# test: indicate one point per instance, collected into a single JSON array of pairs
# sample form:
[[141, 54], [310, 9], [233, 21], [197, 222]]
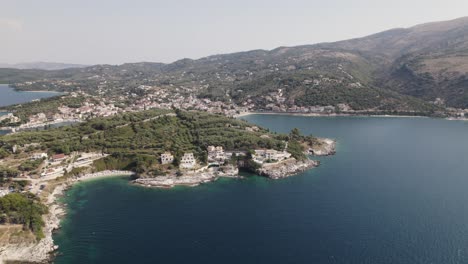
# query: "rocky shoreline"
[[327, 148], [188, 179], [41, 251], [38, 252], [286, 168]]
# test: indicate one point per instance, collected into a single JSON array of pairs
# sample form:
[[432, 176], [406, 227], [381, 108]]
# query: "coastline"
[[345, 115], [325, 115], [33, 91], [191, 179], [42, 251], [51, 92], [41, 125]]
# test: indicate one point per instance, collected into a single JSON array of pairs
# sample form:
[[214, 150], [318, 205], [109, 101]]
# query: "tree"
[[295, 134]]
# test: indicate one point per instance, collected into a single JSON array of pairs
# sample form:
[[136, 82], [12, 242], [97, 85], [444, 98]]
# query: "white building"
[[216, 153], [262, 155], [37, 156], [188, 161], [167, 158]]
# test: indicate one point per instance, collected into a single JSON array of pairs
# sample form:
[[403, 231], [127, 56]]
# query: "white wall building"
[[167, 158], [262, 155], [37, 156], [216, 153], [187, 161]]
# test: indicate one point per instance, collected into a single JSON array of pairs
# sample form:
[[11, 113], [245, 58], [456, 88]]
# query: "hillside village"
[[92, 106]]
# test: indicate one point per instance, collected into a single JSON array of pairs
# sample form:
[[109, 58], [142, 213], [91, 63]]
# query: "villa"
[[58, 157], [167, 158], [216, 153], [38, 156], [188, 161], [262, 155]]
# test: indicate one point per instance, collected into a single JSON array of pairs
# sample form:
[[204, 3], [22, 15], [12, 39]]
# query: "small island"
[[156, 148]]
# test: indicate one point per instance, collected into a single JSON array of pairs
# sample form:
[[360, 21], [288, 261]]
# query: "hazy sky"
[[117, 31]]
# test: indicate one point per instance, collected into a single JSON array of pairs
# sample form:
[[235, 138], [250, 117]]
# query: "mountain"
[[404, 70], [41, 66], [428, 61]]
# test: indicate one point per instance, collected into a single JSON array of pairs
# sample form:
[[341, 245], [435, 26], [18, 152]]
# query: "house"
[[58, 157], [235, 153], [187, 161], [262, 155], [216, 153], [167, 158], [37, 156]]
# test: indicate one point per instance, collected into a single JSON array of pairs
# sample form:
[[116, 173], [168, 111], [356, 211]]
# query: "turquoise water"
[[396, 192], [8, 96]]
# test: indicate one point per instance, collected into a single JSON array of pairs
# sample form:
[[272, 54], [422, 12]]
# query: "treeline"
[[136, 140], [24, 209]]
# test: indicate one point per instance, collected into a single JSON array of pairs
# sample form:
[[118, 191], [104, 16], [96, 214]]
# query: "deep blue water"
[[8, 96], [396, 192]]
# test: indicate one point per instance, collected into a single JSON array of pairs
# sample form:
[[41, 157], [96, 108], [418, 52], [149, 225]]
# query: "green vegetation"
[[30, 165], [136, 140], [296, 150], [8, 172], [297, 143], [24, 209], [4, 153], [248, 164], [75, 172]]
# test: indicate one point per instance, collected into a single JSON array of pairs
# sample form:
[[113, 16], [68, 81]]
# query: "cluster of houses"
[[163, 99], [188, 160], [10, 117], [53, 159], [217, 156]]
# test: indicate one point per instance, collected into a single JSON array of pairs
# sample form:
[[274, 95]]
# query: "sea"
[[9, 96], [395, 192]]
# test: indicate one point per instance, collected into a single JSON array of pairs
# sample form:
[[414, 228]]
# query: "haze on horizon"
[[118, 31]]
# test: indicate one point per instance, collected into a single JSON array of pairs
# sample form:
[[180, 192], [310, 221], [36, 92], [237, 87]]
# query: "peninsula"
[[156, 148]]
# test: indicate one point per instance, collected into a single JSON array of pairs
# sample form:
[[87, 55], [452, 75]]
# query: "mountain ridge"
[[397, 68]]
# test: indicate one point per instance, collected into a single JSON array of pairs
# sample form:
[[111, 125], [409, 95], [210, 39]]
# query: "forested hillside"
[[400, 69]]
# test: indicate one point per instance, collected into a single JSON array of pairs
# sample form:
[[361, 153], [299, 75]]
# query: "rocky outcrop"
[[286, 168], [189, 178], [326, 147]]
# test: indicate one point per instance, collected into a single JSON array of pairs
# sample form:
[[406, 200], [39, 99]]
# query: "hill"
[[402, 70], [427, 61]]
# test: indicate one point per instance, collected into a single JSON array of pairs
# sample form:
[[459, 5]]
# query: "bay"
[[396, 192], [8, 96]]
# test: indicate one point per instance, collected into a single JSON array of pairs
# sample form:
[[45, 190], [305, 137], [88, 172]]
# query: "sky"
[[118, 31]]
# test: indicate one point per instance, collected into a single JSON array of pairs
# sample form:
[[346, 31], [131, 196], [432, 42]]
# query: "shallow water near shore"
[[396, 192]]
